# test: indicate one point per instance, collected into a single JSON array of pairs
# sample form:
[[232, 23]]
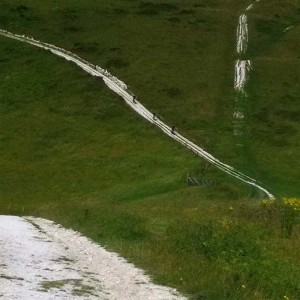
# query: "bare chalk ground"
[[42, 260]]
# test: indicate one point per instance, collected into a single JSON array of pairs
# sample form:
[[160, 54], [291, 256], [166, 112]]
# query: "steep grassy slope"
[[179, 59], [72, 151]]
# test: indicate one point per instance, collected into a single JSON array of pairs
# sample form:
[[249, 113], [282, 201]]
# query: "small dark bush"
[[21, 10]]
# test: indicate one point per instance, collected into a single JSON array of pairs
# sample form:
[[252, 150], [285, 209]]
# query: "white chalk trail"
[[121, 89], [238, 122], [42, 260], [242, 34], [241, 71], [251, 6], [242, 67], [288, 28]]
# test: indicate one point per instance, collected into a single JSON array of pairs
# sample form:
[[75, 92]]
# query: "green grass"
[[73, 152], [79, 289], [273, 120], [183, 66]]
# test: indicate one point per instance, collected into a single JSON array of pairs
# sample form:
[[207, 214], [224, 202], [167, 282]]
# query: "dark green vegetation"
[[80, 289], [73, 152]]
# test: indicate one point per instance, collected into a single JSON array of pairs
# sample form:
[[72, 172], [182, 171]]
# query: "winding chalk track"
[[42, 260]]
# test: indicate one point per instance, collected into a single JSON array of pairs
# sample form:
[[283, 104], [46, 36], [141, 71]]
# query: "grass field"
[[73, 152]]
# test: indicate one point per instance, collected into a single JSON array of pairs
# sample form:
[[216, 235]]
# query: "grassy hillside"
[[72, 151], [275, 92], [179, 59]]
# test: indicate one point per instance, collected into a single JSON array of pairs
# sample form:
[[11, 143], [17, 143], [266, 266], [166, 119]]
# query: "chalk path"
[[43, 260], [242, 69]]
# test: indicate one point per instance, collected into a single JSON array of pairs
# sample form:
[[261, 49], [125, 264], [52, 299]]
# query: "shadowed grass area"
[[73, 152]]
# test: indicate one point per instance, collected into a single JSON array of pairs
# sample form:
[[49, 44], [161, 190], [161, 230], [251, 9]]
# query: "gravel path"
[[43, 260]]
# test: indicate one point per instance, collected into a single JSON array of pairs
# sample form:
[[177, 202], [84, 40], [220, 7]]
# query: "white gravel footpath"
[[42, 260]]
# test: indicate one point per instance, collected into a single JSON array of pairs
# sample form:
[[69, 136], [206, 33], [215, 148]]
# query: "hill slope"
[[73, 152]]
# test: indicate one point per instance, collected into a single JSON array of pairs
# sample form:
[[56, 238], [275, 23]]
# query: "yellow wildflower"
[[293, 203]]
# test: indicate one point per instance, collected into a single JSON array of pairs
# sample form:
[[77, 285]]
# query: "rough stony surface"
[[42, 260]]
